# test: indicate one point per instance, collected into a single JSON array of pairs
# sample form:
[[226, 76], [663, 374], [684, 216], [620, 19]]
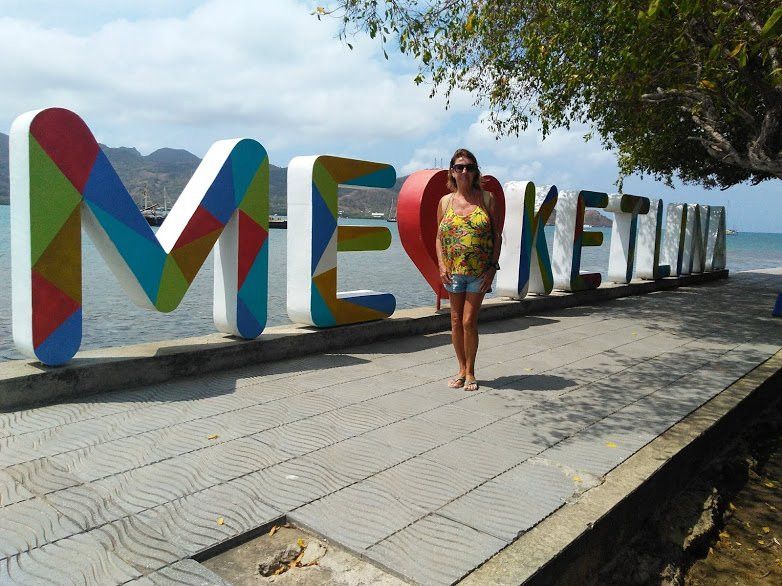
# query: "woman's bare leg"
[[470, 309], [457, 329]]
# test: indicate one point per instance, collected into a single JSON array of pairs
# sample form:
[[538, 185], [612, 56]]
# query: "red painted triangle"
[[252, 236], [201, 224], [51, 307], [68, 142]]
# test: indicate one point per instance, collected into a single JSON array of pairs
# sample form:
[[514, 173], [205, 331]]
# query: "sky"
[[186, 73]]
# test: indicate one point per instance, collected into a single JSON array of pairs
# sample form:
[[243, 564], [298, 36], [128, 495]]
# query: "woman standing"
[[468, 246]]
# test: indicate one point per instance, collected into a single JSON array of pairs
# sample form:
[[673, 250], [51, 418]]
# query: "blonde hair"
[[476, 178]]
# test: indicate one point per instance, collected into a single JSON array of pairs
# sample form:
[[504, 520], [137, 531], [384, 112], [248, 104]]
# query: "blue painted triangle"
[[144, 258], [105, 189], [321, 315], [255, 290], [246, 322], [383, 177], [219, 198], [324, 224], [246, 158], [63, 343], [381, 302]]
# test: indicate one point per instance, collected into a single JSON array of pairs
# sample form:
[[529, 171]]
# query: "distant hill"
[[167, 171]]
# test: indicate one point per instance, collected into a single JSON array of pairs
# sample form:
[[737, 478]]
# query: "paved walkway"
[[368, 447]]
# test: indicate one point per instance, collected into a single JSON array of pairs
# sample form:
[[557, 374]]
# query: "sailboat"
[[391, 211]]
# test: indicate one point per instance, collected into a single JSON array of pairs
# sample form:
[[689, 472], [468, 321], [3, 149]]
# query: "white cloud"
[[227, 68]]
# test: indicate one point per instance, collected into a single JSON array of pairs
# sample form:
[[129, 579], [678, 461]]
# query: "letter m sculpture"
[[62, 181]]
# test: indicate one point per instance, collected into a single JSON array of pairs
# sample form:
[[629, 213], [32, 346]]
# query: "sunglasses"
[[460, 168]]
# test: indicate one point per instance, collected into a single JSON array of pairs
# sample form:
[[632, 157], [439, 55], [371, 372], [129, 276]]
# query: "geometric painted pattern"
[[624, 233], [61, 182], [314, 238], [570, 238], [524, 241]]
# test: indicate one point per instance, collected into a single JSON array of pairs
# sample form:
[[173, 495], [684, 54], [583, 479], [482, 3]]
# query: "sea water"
[[111, 319]]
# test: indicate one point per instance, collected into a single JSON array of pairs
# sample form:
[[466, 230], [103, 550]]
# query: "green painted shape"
[[377, 240], [327, 187], [255, 202], [52, 200], [173, 286]]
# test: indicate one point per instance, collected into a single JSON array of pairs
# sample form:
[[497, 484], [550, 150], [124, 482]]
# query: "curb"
[[26, 383]]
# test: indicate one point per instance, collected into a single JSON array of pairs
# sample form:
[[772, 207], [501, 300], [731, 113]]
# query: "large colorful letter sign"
[[714, 233], [623, 234], [649, 238], [58, 171], [416, 216], [524, 241], [570, 237], [314, 239], [675, 232]]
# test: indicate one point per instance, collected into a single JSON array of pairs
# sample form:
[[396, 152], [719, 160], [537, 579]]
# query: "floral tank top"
[[467, 241]]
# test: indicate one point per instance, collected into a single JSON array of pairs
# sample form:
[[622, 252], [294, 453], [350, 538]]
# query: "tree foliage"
[[687, 88]]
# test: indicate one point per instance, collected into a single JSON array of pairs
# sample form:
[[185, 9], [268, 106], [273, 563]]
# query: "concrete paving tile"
[[413, 436], [305, 435], [80, 559], [375, 386], [225, 461], [357, 516], [457, 418], [30, 524], [87, 505], [489, 402], [183, 573], [359, 418], [42, 476], [358, 457], [514, 501], [314, 403], [203, 520], [11, 491], [138, 544], [519, 436], [435, 550], [477, 459], [423, 482], [107, 459], [600, 448], [403, 404], [294, 483]]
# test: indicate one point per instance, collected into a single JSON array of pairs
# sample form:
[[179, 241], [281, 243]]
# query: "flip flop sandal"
[[456, 383], [471, 385]]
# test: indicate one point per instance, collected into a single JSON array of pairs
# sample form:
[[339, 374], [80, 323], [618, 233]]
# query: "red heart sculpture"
[[416, 216]]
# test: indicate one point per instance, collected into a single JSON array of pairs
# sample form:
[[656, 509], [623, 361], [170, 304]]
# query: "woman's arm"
[[488, 276], [445, 275]]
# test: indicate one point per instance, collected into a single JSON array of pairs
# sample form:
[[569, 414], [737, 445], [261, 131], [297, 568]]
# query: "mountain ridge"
[[163, 174]]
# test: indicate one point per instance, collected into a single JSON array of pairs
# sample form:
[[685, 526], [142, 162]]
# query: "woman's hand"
[[445, 276], [488, 277]]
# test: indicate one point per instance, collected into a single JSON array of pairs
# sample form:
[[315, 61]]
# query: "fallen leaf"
[[302, 543], [214, 436], [220, 521], [724, 535], [732, 506], [766, 530], [768, 484], [274, 530], [761, 542], [611, 445], [529, 369], [577, 479]]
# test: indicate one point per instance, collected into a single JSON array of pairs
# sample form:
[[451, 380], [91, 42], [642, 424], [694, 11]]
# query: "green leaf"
[[772, 23]]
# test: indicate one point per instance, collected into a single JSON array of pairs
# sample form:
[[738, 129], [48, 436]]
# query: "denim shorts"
[[465, 284]]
